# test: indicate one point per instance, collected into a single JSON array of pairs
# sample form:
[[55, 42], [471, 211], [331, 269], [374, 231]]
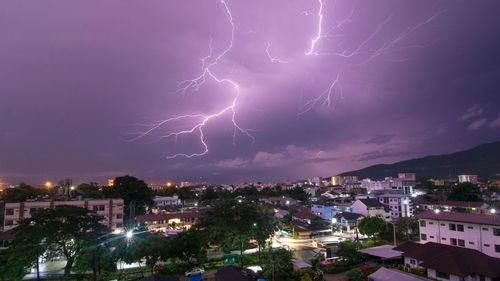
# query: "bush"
[[175, 268], [355, 275]]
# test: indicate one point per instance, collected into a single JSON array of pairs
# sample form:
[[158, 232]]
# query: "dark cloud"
[[78, 80], [380, 139]]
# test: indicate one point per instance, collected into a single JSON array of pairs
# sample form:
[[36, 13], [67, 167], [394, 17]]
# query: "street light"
[[129, 234], [437, 211], [493, 211]]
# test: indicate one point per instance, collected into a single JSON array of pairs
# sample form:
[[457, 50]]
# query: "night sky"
[[85, 85]]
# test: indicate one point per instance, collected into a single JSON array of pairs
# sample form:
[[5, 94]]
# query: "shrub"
[[355, 274]]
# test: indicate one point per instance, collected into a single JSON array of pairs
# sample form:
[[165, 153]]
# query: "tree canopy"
[[371, 226], [465, 192]]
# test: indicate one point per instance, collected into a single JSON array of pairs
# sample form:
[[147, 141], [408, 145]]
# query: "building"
[[444, 262], [468, 178], [386, 274], [166, 222], [323, 209], [349, 179], [448, 206], [337, 180], [110, 209], [371, 208], [409, 176], [162, 202], [372, 185], [399, 204], [347, 222], [473, 231], [405, 185]]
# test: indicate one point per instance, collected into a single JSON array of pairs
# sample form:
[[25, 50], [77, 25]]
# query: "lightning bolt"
[[194, 85], [319, 32], [271, 58], [324, 98]]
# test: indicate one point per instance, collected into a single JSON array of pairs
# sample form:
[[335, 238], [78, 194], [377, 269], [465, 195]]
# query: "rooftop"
[[461, 217], [159, 217], [371, 202], [450, 259], [386, 274]]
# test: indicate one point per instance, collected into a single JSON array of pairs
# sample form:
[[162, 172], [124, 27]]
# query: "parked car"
[[195, 271]]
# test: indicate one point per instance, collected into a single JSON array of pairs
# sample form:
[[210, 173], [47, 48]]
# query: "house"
[[323, 208], [110, 209], [347, 222], [386, 274], [304, 216], [444, 262], [171, 221], [473, 231], [371, 208]]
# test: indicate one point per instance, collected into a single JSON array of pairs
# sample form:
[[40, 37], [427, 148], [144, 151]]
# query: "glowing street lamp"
[[437, 211], [129, 234], [493, 211], [48, 184]]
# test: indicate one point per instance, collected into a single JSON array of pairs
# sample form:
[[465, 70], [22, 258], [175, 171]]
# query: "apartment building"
[[110, 209], [166, 201], [473, 231], [399, 204]]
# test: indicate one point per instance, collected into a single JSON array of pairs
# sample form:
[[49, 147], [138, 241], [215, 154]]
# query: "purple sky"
[[79, 82]]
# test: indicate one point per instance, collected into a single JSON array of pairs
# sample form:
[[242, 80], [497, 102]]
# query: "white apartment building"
[[474, 231], [110, 209], [467, 178], [372, 185], [399, 204]]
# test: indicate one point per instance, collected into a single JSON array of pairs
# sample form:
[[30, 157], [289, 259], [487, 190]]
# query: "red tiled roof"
[[160, 217], [461, 217], [305, 215], [450, 259]]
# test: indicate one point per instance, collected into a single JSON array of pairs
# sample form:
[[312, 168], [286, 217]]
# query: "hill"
[[483, 160]]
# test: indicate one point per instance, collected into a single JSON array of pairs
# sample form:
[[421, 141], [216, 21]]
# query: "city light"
[[437, 211], [169, 184], [493, 211], [48, 184], [129, 234], [334, 220]]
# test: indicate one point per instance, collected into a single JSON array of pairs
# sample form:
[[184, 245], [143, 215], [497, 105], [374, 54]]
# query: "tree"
[[298, 193], [348, 250], [23, 251], [189, 246], [152, 247], [88, 190], [68, 230], [135, 194], [264, 227], [465, 192], [230, 224], [371, 226], [96, 258], [283, 269], [21, 193]]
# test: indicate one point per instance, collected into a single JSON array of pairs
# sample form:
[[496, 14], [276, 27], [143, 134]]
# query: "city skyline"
[[322, 87]]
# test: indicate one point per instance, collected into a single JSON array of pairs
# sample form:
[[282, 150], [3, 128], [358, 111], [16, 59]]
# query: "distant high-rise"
[[467, 178]]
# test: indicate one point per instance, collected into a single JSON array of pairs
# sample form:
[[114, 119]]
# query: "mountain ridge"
[[482, 160]]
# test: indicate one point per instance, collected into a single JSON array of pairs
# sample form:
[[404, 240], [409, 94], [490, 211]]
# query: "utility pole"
[[394, 230]]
